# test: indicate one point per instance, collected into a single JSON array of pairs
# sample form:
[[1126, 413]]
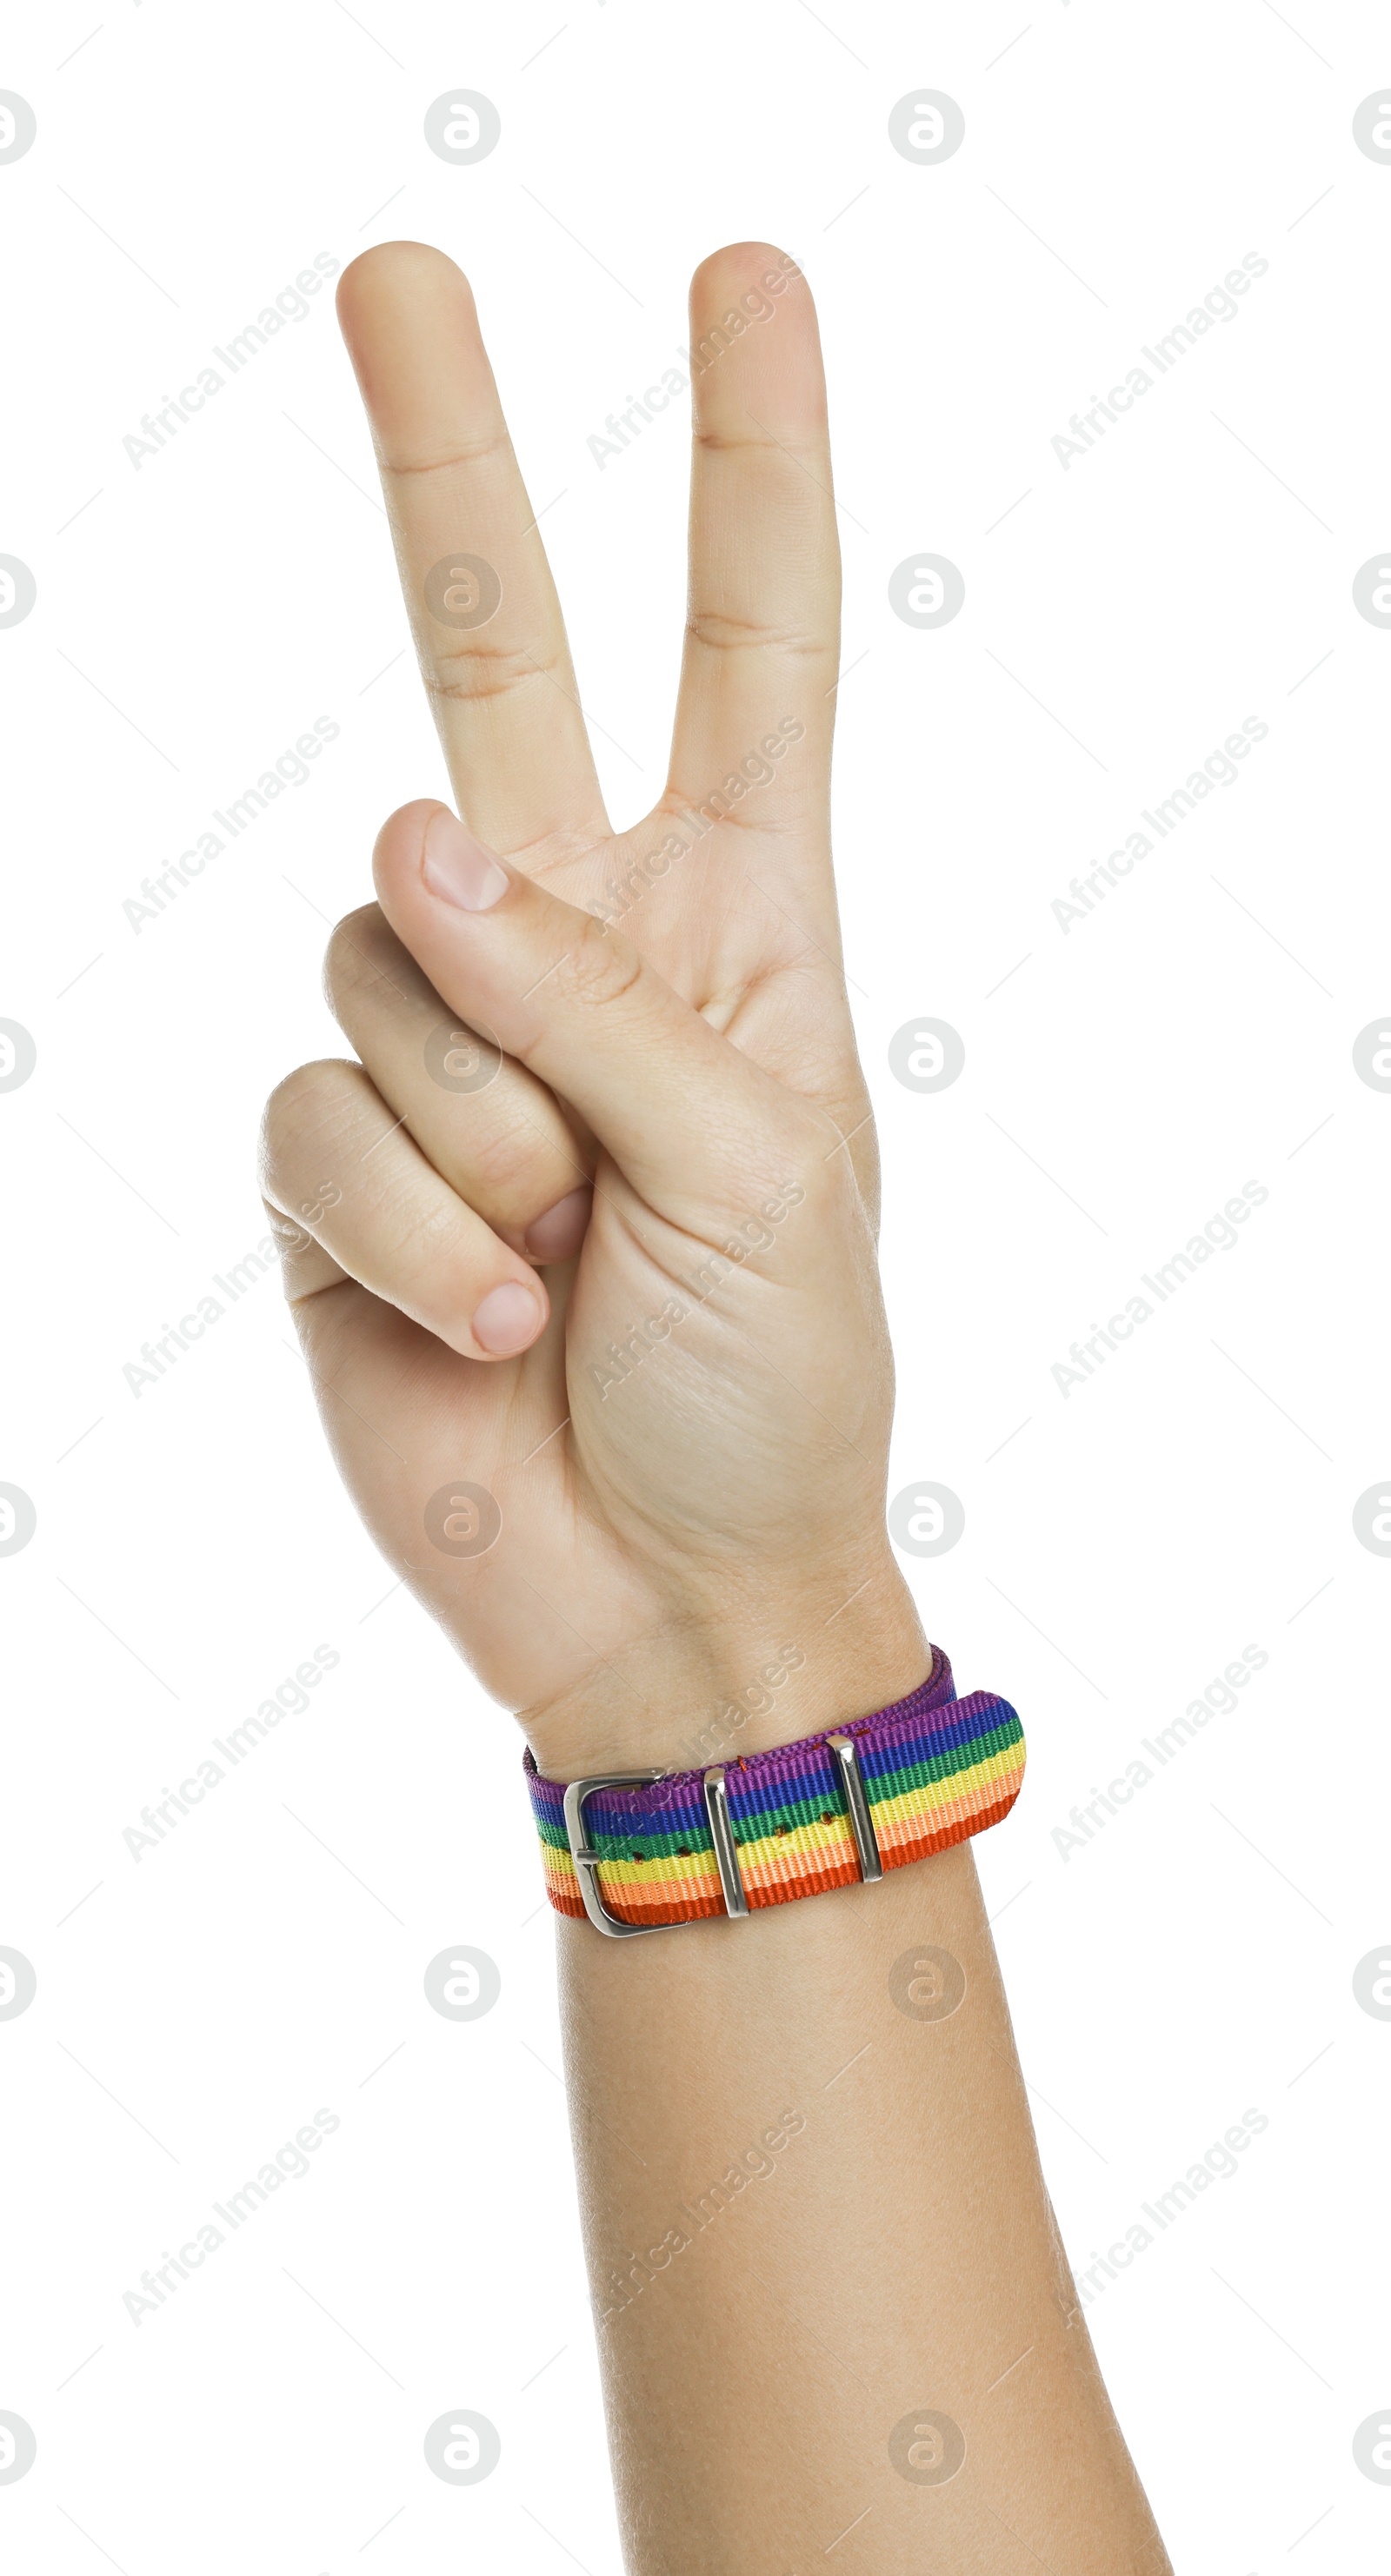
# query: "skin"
[[627, 1288]]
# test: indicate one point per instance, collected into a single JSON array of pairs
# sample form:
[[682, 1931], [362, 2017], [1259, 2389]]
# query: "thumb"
[[693, 1123]]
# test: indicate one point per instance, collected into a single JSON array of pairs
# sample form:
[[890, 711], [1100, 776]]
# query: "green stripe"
[[619, 1846], [941, 1766]]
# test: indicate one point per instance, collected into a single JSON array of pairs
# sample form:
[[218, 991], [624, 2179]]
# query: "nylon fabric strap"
[[935, 1768]]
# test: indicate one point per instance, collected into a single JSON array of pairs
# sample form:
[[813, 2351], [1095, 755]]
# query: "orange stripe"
[[820, 1882], [894, 1832]]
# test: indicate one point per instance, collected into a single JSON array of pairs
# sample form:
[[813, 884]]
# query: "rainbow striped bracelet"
[[643, 1851]]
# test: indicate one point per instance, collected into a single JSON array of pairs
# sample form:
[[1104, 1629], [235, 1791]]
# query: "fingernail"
[[560, 1231], [458, 869], [508, 1319]]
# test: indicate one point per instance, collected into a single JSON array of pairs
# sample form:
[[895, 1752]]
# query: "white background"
[[1123, 1543]]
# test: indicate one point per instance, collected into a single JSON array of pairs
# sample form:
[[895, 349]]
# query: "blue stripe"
[[876, 1761]]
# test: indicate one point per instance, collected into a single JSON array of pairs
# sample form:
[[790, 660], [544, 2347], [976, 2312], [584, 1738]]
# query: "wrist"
[[701, 1687]]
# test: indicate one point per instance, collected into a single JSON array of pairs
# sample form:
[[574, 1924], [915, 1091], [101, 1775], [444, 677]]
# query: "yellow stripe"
[[823, 1846], [698, 1876], [913, 1804]]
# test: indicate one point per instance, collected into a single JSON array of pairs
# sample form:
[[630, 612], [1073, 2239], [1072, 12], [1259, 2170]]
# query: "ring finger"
[[334, 1155], [487, 1125]]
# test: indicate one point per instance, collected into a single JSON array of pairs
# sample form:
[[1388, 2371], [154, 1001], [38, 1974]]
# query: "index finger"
[[483, 608]]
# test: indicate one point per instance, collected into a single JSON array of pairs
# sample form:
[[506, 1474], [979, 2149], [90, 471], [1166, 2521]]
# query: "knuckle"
[[292, 1240], [437, 1228], [729, 442], [599, 967], [725, 631], [510, 1158], [798, 1165], [307, 1110], [357, 950], [484, 450], [470, 673], [424, 1236]]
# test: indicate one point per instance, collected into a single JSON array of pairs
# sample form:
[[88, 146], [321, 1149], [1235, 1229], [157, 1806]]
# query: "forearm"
[[815, 2220]]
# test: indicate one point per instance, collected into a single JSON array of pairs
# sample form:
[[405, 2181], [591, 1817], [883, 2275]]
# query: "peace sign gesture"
[[581, 1245]]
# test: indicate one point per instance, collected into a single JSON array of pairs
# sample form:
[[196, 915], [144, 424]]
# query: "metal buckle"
[[587, 1861]]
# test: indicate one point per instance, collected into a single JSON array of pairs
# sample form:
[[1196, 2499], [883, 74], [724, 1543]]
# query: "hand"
[[585, 1238]]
